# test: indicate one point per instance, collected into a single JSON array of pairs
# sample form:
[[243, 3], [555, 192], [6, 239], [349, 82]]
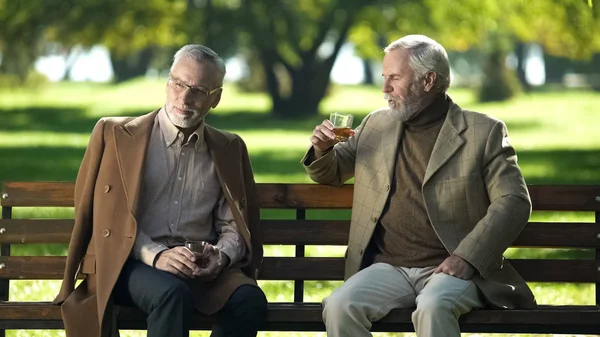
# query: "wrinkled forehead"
[[196, 73], [397, 62]]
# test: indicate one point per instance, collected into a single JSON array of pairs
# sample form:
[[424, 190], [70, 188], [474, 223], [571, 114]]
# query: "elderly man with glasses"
[[147, 186]]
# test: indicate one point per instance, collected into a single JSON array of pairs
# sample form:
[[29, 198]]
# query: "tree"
[[564, 28], [300, 39], [131, 30], [22, 25]]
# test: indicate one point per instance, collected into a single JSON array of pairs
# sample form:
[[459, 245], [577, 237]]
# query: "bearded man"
[[438, 197]]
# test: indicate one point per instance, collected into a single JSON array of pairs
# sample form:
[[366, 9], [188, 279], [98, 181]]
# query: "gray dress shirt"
[[180, 196]]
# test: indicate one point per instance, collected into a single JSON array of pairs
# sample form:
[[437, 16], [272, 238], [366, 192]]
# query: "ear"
[[429, 81], [217, 99]]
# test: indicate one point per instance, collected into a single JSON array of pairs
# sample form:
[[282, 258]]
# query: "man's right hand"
[[178, 261], [323, 137]]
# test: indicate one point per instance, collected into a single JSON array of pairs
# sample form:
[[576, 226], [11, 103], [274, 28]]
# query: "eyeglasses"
[[197, 92]]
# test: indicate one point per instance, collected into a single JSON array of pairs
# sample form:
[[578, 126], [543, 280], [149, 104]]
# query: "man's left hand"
[[217, 261], [456, 266]]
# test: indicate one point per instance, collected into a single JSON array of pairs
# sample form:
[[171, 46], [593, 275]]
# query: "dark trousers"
[[167, 300]]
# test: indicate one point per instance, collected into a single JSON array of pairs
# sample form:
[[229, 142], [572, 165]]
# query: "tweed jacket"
[[475, 196]]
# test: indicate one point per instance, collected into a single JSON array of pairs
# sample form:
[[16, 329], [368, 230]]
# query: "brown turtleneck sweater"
[[404, 236]]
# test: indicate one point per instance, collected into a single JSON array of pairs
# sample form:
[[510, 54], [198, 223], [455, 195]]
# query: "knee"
[[176, 293], [433, 306], [249, 301], [339, 305]]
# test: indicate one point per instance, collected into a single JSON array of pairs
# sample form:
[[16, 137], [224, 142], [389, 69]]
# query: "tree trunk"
[[521, 53], [368, 79], [131, 66], [16, 62], [208, 30], [309, 86]]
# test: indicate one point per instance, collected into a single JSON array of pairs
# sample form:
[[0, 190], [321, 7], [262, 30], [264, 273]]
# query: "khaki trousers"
[[373, 292]]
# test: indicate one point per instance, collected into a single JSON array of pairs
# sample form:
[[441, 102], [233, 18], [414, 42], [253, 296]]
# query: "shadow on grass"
[[62, 163], [560, 166], [539, 167], [52, 118], [265, 121], [40, 163]]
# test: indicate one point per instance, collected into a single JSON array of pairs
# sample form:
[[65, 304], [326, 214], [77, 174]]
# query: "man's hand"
[[456, 266], [178, 261], [323, 137], [217, 261]]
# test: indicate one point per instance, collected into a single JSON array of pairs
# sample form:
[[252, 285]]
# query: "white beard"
[[186, 122], [404, 110]]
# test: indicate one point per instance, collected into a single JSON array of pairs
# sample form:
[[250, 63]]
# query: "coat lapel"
[[448, 141], [131, 142]]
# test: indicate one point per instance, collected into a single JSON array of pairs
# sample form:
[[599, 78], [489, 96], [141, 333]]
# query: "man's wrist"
[[223, 260], [156, 258]]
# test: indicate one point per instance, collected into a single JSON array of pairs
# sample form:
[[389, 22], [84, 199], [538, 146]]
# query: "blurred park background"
[[65, 63]]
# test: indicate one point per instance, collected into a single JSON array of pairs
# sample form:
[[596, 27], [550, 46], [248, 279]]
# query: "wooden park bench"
[[303, 200]]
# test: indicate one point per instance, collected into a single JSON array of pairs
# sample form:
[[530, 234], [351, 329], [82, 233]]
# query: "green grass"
[[43, 136]]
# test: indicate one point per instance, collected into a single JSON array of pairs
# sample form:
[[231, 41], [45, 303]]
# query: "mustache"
[[388, 97], [185, 108]]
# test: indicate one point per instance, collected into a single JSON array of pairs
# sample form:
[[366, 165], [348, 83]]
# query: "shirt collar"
[[172, 134]]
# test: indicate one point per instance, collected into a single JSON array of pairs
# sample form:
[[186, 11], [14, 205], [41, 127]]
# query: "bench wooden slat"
[[544, 197], [307, 317], [312, 268], [312, 232], [304, 196], [39, 194], [36, 230], [306, 232], [565, 197], [559, 234]]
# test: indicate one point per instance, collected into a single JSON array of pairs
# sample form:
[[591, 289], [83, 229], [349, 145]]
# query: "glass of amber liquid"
[[198, 248], [342, 125]]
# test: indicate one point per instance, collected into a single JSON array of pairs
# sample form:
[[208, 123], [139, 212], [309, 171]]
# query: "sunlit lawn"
[[43, 135]]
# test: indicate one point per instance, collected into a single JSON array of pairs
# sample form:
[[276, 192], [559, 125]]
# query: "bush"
[[499, 82], [34, 80]]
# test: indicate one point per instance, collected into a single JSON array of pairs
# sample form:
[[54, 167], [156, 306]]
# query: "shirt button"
[[178, 178], [176, 202], [106, 233], [183, 153], [172, 225]]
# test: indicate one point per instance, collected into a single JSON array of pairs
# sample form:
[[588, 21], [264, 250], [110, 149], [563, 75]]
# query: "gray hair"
[[426, 55], [200, 53]]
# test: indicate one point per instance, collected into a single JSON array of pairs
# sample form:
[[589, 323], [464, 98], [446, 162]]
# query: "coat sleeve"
[[84, 204], [509, 210], [253, 212], [337, 165]]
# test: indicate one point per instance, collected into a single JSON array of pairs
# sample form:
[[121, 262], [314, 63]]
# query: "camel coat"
[[106, 199], [474, 193]]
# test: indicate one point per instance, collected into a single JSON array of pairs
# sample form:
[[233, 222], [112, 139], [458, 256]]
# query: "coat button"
[[106, 188], [362, 251], [106, 233], [387, 188], [374, 219]]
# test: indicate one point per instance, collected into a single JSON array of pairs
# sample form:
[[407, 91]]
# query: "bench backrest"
[[308, 224]]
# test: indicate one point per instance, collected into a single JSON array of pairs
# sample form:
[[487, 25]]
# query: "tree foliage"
[[293, 43]]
